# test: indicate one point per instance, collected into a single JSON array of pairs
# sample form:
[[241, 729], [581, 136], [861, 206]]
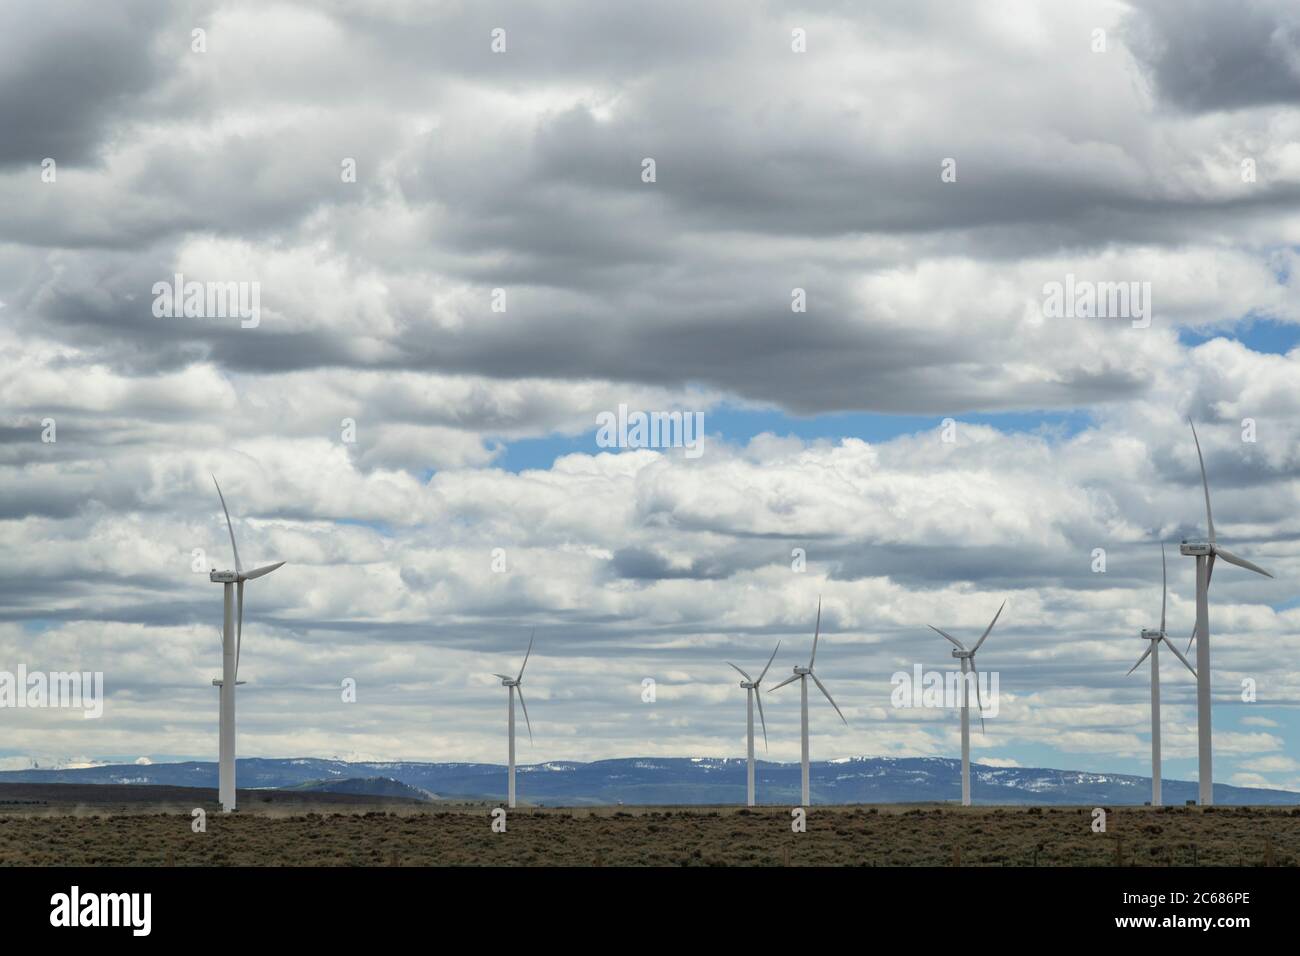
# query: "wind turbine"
[[752, 692], [802, 674], [967, 658], [231, 639], [1153, 651], [1205, 551], [515, 684]]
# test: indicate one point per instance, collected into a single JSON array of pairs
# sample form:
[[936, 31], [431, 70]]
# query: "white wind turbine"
[[1153, 651], [752, 692], [231, 639], [516, 684], [801, 674], [967, 658], [1205, 551]]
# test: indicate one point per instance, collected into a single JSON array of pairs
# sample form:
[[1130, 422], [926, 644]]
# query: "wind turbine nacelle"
[[223, 577], [959, 654], [803, 671], [1150, 635], [1196, 548]]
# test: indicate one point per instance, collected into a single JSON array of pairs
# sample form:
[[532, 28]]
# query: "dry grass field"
[[276, 829]]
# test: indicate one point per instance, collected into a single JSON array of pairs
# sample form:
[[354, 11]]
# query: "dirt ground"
[[290, 831]]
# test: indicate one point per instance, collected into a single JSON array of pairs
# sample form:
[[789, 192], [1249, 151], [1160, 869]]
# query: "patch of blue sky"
[[1257, 333], [738, 425]]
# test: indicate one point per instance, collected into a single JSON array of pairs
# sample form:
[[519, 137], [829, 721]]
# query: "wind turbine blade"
[[829, 697], [759, 698], [960, 646], [528, 723], [263, 570], [1191, 640], [1146, 654], [239, 628], [530, 650], [739, 671], [229, 527], [974, 671], [793, 677], [988, 629], [1164, 587], [769, 664], [1179, 656], [1209, 518], [816, 632], [1240, 562]]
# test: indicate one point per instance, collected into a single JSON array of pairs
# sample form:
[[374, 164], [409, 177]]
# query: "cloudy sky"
[[501, 272]]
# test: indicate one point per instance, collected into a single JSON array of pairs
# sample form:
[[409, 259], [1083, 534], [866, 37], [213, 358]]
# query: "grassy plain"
[[59, 825]]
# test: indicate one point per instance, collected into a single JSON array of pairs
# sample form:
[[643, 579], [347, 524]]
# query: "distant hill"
[[680, 780], [366, 786], [17, 795]]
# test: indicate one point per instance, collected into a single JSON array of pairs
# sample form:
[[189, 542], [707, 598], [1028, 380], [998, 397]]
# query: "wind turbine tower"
[[1153, 651], [752, 693], [231, 638], [1205, 550], [967, 658], [801, 674], [516, 686]]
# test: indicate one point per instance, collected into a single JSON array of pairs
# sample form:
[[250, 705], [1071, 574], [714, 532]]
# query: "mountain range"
[[671, 780]]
